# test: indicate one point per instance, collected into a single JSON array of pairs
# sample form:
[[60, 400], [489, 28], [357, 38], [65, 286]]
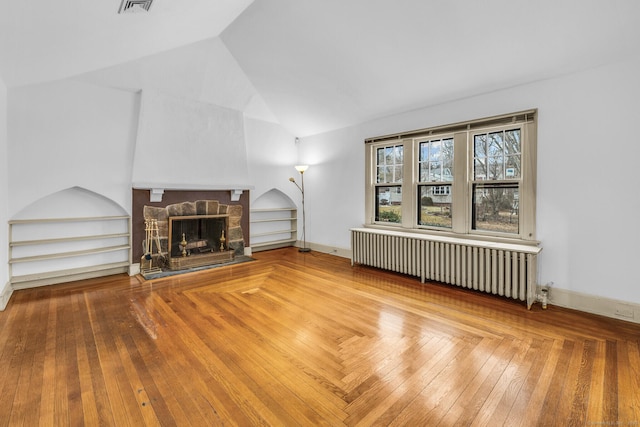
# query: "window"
[[472, 178], [496, 179], [442, 190], [388, 188], [435, 166]]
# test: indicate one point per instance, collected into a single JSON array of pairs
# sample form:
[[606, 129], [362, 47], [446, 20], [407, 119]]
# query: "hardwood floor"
[[305, 339]]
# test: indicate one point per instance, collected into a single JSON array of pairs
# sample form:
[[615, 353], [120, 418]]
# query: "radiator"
[[501, 269]]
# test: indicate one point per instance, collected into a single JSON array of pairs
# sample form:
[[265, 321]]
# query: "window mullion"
[[460, 189], [409, 186]]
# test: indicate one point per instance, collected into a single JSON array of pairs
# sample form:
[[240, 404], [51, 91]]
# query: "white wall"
[[4, 195], [588, 197], [271, 156], [334, 185], [67, 134], [183, 143]]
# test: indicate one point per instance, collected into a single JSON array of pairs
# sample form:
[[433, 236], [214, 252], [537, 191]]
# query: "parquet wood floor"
[[296, 339]]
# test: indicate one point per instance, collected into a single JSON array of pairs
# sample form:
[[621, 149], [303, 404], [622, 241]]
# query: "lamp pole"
[[301, 169]]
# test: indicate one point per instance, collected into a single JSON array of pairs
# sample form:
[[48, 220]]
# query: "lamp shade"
[[301, 168]]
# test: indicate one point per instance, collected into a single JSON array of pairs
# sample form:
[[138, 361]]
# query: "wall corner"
[[5, 295]]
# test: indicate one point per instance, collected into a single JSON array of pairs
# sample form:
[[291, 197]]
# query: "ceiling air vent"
[[133, 6]]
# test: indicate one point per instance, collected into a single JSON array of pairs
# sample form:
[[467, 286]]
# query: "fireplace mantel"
[[156, 190]]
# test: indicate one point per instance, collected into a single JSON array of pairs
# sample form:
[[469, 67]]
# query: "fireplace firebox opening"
[[198, 240]]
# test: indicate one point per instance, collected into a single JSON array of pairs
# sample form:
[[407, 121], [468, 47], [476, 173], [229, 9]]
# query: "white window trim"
[[461, 197]]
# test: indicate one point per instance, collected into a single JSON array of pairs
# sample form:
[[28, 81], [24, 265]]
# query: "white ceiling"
[[44, 40], [314, 65], [204, 71]]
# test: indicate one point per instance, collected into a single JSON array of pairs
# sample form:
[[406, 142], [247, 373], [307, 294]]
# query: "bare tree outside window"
[[496, 173]]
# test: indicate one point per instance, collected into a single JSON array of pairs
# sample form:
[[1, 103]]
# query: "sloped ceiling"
[[326, 64], [314, 65], [204, 71], [44, 40]]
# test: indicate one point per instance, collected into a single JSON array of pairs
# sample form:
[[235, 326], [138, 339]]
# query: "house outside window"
[[474, 179]]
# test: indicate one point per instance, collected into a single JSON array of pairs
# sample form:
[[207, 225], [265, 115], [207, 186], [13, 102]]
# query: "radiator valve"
[[543, 297]]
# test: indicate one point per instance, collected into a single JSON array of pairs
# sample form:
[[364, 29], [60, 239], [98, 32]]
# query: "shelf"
[[67, 239], [273, 233], [271, 225], [68, 254], [80, 219], [273, 210], [288, 242], [256, 221], [34, 272]]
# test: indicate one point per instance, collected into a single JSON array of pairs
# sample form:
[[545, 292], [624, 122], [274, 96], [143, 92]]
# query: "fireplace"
[[198, 240], [218, 220]]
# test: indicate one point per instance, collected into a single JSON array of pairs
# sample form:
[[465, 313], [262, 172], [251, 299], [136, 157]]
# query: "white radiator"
[[501, 269]]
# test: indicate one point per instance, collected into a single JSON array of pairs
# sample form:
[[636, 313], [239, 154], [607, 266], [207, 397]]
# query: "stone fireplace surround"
[[188, 203]]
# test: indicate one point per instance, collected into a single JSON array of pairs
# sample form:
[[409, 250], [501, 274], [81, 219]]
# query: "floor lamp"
[[301, 169]]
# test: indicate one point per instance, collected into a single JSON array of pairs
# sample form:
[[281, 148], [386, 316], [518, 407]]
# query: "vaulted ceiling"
[[314, 65]]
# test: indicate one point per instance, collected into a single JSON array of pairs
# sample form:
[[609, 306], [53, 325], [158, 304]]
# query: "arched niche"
[[274, 220], [73, 202], [72, 234], [273, 199]]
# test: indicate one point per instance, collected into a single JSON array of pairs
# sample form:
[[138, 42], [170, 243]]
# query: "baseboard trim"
[[134, 269], [331, 250], [47, 281], [615, 309], [5, 295]]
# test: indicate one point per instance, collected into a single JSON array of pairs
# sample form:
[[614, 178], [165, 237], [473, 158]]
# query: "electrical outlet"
[[624, 311]]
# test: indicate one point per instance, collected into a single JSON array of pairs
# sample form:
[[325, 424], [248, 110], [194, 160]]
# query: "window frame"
[[462, 185], [419, 183], [391, 184]]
